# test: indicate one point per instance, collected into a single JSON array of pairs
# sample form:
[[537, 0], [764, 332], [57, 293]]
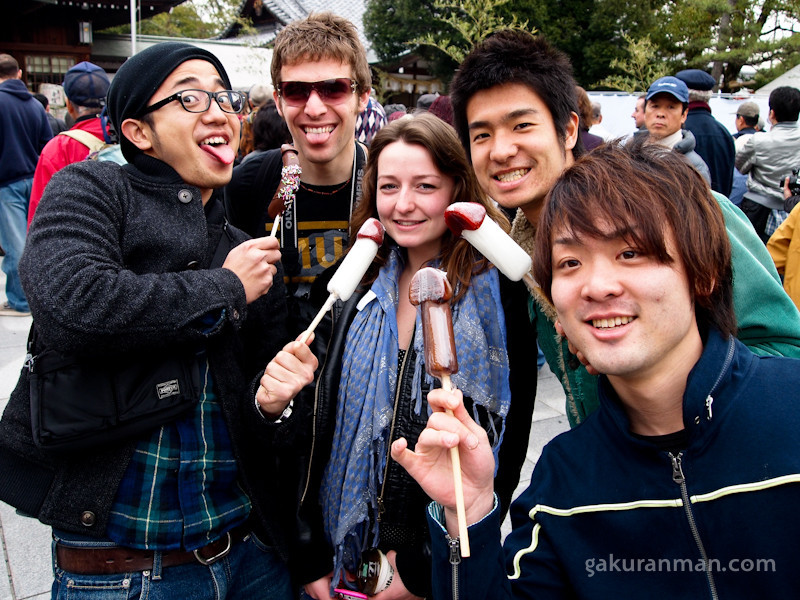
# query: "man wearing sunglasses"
[[136, 265], [322, 82]]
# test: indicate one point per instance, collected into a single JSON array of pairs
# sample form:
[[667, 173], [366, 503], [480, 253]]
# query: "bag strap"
[[223, 246], [87, 139]]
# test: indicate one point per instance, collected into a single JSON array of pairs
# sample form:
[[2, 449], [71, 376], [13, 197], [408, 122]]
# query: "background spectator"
[[24, 130], [56, 125]]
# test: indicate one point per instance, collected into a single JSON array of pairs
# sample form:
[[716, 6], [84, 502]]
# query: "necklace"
[[321, 193]]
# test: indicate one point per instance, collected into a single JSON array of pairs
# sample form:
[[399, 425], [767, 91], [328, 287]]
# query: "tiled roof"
[[286, 11]]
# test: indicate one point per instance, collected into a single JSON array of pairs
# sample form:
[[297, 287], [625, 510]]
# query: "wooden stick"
[[459, 485], [325, 308], [275, 226]]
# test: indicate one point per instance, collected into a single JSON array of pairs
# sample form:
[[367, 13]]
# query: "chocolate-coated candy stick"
[[430, 290]]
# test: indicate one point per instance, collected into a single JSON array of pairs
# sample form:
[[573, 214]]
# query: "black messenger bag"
[[84, 402]]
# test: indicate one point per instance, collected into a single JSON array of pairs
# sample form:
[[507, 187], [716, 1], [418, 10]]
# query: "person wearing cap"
[[767, 157], [135, 262], [746, 119], [665, 107], [85, 86], [713, 141], [746, 123], [24, 130]]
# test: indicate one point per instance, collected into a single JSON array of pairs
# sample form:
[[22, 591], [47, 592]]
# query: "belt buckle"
[[213, 559]]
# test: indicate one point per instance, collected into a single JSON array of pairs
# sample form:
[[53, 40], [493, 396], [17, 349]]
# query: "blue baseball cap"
[[86, 84], [669, 85]]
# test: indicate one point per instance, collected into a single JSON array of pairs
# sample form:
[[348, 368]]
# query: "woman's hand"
[[321, 588]]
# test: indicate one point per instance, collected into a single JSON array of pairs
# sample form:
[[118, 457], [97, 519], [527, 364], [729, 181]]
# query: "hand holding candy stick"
[[431, 291]]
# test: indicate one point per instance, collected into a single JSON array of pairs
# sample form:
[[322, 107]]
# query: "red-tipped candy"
[[373, 230], [464, 215]]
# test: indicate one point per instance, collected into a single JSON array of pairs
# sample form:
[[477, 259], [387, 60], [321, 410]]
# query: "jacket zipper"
[[678, 477], [314, 419], [399, 387], [723, 370], [455, 559]]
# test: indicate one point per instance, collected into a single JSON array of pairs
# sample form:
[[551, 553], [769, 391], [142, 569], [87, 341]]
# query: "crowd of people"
[[295, 466]]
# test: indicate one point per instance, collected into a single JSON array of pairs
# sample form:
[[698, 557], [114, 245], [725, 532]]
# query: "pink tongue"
[[222, 153]]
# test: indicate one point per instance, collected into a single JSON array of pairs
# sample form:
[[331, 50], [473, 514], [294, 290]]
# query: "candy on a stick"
[[287, 188], [468, 219], [430, 290], [352, 270]]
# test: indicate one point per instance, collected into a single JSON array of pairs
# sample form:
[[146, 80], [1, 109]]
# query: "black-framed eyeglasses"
[[330, 91], [197, 101]]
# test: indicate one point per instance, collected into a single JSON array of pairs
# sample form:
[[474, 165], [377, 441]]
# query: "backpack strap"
[[87, 139]]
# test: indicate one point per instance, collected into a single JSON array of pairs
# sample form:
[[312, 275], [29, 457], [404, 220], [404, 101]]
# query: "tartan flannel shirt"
[[180, 489]]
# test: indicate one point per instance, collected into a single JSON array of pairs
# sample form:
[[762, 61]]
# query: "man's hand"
[[584, 361], [253, 262], [430, 463], [286, 374]]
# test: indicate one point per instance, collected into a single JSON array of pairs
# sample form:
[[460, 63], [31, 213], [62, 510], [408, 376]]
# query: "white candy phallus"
[[349, 274], [468, 220]]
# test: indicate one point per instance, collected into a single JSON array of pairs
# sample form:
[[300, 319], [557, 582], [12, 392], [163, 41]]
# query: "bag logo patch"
[[168, 388]]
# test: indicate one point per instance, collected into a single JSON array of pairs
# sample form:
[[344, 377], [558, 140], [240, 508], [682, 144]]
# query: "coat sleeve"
[[79, 271], [767, 320], [524, 566], [778, 245]]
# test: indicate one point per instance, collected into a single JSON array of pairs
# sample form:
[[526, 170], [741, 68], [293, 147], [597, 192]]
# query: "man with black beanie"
[[135, 267]]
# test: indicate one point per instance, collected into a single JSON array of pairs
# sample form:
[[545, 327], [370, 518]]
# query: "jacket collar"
[[708, 379], [699, 105], [156, 170]]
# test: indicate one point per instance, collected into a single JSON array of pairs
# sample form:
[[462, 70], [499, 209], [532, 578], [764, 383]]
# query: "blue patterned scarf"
[[354, 473]]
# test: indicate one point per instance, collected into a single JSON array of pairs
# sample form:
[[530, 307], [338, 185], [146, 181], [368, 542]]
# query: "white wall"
[[617, 110]]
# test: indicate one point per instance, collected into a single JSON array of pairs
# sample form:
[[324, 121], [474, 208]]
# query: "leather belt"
[[110, 561]]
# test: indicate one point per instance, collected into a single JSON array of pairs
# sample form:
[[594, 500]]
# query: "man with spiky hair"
[[515, 111]]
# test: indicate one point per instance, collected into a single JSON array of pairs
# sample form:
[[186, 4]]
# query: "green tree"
[[441, 31], [726, 35], [462, 24], [193, 19], [638, 70]]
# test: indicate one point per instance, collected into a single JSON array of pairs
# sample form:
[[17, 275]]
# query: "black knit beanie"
[[141, 75]]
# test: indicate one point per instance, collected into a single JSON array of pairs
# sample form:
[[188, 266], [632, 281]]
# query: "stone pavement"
[[25, 571]]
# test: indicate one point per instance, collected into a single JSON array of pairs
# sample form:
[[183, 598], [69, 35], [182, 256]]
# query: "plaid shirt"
[[180, 489]]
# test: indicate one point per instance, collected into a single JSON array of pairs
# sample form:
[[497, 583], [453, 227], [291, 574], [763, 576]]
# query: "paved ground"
[[25, 572]]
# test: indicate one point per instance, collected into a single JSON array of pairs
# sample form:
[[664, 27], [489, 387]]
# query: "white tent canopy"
[[790, 78]]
